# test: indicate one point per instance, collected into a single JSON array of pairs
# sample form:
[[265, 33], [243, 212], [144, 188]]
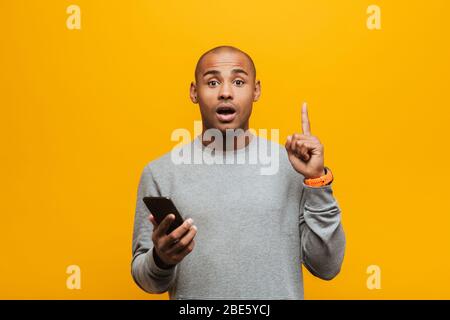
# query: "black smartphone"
[[160, 207]]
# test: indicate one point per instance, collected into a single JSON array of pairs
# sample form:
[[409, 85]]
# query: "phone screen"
[[160, 207]]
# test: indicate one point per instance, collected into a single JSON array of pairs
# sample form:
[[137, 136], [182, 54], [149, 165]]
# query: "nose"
[[225, 92]]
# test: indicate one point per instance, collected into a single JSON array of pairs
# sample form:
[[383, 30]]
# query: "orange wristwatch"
[[322, 180]]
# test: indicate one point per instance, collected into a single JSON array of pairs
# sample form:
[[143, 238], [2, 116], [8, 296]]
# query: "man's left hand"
[[305, 151]]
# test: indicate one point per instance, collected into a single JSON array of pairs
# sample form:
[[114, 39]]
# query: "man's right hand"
[[170, 249]]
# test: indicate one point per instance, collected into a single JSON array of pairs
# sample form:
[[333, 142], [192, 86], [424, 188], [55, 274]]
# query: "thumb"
[[153, 221], [297, 164]]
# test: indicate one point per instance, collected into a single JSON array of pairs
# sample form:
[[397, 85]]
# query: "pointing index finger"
[[306, 128]]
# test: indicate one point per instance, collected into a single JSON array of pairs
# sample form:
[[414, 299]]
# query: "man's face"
[[225, 90]]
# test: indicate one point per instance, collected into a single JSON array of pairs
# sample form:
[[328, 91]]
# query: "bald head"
[[220, 50]]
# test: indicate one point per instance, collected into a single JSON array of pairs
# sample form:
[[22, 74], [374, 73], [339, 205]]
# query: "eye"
[[213, 83], [239, 83]]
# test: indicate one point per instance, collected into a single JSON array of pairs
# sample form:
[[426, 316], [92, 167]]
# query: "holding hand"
[[172, 248]]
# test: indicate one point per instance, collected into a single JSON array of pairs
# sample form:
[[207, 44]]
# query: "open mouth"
[[225, 110], [226, 113]]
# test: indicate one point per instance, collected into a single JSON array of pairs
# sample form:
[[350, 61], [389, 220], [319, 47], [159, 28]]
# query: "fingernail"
[[189, 221], [195, 227]]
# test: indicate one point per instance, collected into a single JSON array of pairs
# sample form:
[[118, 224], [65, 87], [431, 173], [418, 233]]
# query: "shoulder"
[[164, 164]]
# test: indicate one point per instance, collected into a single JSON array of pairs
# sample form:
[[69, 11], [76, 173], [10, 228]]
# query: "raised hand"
[[305, 151]]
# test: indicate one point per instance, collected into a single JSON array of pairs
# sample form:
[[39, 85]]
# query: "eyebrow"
[[216, 72]]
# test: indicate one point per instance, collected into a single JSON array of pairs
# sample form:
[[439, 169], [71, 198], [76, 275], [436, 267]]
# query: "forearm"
[[149, 276], [322, 234]]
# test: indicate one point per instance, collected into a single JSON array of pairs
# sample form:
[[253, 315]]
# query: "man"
[[252, 231]]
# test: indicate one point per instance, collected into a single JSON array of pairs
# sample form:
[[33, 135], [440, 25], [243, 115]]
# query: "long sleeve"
[[147, 275], [321, 232]]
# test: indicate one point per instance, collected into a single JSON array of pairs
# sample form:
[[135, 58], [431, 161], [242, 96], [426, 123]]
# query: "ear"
[[193, 92], [257, 92]]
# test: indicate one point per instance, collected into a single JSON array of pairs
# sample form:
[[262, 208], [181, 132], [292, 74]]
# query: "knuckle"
[[182, 243]]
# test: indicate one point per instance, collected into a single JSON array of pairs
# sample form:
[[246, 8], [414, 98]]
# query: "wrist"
[[315, 176], [323, 180], [159, 263]]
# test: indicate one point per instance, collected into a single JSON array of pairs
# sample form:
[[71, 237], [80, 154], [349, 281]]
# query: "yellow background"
[[83, 111]]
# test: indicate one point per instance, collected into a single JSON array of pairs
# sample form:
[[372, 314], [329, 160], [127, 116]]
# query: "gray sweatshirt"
[[254, 230]]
